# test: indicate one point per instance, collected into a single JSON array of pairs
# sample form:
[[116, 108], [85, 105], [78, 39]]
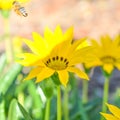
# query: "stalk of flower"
[[65, 103], [17, 45], [108, 58], [8, 42], [115, 113], [89, 72], [85, 86], [55, 53]]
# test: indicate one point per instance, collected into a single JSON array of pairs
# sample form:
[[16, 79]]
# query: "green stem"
[[85, 92], [105, 95], [8, 42], [58, 103], [47, 110], [66, 107]]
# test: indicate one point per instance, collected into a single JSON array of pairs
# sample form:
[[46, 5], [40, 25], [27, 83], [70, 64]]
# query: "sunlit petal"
[[108, 68], [44, 73], [109, 116], [33, 73], [63, 76], [78, 72], [27, 59], [114, 110], [68, 34]]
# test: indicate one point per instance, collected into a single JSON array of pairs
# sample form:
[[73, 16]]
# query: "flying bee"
[[20, 10]]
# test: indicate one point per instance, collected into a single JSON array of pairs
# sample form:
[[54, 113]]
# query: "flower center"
[[108, 59], [57, 63]]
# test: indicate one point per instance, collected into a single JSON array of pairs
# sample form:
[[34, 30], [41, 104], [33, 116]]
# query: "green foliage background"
[[21, 100]]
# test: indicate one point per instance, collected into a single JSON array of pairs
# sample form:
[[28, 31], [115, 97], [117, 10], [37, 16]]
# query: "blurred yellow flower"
[[115, 113], [17, 44], [7, 4], [107, 52], [55, 53]]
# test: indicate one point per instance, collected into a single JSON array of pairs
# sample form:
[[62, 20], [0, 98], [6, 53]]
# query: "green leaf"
[[55, 79], [9, 77], [24, 112], [93, 108], [3, 62], [82, 110], [12, 114], [37, 102], [95, 102], [2, 108], [47, 86]]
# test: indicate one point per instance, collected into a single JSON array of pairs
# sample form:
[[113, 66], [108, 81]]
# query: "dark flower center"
[[57, 63], [108, 59]]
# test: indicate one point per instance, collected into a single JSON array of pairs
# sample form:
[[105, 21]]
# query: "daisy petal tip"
[[37, 81], [107, 104], [101, 113], [71, 29], [35, 33], [87, 78], [58, 26]]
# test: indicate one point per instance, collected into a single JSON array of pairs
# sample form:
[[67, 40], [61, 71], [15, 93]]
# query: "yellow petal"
[[28, 59], [38, 39], [58, 32], [106, 41], [40, 44], [68, 35], [108, 68], [53, 39], [114, 110], [93, 63], [45, 73], [78, 72], [62, 49], [77, 44], [95, 43], [33, 73], [109, 116], [116, 41], [82, 52], [83, 44], [32, 46], [48, 35], [63, 76], [117, 65], [79, 56]]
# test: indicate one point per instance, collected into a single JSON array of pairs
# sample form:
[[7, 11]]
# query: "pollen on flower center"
[[108, 59], [57, 63]]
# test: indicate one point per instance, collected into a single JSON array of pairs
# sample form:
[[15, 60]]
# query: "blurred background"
[[89, 17]]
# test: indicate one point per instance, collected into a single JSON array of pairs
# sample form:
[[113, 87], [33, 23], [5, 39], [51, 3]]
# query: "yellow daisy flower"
[[7, 4], [55, 53], [115, 113], [107, 52]]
